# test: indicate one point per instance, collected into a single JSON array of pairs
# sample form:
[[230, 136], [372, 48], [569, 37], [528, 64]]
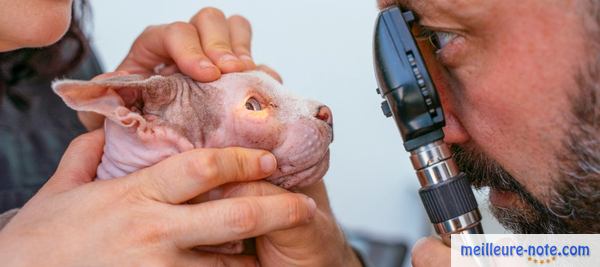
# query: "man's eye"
[[438, 39], [253, 104], [441, 39]]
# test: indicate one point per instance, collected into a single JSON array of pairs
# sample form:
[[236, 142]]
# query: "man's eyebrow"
[[418, 6], [388, 3]]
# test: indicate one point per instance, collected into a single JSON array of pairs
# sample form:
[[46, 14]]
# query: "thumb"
[[430, 251], [79, 163]]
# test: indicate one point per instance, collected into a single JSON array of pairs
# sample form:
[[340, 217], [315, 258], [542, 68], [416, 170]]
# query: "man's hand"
[[207, 46], [139, 219], [430, 251], [321, 242]]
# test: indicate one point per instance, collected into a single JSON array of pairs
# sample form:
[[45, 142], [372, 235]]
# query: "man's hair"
[[49, 62]]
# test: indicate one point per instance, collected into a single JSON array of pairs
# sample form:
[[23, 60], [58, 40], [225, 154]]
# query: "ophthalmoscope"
[[411, 99]]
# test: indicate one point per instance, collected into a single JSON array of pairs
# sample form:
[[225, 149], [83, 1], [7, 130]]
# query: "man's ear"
[[116, 97]]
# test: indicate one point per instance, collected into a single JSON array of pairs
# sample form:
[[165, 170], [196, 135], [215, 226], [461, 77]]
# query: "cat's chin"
[[304, 177]]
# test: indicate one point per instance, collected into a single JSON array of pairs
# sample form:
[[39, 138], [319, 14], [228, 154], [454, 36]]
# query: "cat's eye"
[[253, 104]]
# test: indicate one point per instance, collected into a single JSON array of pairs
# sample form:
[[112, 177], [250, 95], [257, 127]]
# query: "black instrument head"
[[404, 82]]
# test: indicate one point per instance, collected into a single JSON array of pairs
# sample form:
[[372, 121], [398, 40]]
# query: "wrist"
[[345, 256], [352, 258]]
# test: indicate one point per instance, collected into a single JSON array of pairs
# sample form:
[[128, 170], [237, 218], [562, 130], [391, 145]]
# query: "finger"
[[182, 44], [240, 33], [146, 53], [259, 188], [315, 191], [214, 35], [176, 43], [289, 239], [79, 162], [318, 192], [225, 220], [231, 190], [186, 175], [430, 251], [200, 259], [167, 70], [266, 69]]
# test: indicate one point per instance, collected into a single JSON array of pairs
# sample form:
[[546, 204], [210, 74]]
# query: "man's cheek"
[[481, 100]]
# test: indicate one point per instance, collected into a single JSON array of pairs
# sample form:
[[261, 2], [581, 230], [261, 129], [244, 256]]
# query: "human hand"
[[139, 219], [321, 242], [430, 251], [204, 48]]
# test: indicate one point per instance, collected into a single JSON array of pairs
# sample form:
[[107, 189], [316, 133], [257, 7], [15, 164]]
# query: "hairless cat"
[[151, 119]]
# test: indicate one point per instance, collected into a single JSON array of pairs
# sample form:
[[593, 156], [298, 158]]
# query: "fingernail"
[[246, 58], [268, 163], [228, 58], [121, 72], [205, 64], [312, 205]]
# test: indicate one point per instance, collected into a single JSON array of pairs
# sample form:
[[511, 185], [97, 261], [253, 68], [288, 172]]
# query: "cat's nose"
[[324, 114]]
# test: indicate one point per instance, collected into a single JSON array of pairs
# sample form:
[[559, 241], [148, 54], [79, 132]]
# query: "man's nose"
[[324, 114]]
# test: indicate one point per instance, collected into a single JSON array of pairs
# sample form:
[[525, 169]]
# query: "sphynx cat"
[[148, 120]]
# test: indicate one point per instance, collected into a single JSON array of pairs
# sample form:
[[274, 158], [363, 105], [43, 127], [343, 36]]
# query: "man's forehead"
[[410, 4], [424, 8], [433, 11], [426, 5], [387, 3]]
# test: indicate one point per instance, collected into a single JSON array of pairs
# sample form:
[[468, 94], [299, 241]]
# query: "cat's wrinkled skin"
[[151, 119]]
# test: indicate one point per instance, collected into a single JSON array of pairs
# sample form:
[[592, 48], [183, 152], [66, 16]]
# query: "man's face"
[[511, 76]]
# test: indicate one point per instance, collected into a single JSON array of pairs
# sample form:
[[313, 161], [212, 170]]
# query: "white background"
[[322, 49]]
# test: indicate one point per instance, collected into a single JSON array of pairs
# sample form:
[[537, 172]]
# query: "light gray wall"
[[322, 49]]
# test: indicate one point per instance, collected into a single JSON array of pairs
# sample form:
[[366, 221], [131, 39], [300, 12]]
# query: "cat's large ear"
[[131, 141], [116, 98]]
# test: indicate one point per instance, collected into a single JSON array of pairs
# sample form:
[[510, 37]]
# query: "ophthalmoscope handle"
[[445, 192]]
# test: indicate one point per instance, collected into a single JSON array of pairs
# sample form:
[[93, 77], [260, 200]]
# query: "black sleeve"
[[35, 130]]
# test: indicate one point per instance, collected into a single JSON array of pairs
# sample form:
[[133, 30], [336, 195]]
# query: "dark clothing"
[[35, 129]]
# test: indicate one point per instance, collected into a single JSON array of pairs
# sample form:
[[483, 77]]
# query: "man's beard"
[[573, 203]]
